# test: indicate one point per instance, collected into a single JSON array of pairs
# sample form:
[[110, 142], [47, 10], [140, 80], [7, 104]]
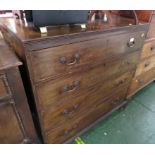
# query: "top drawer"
[[148, 49], [4, 92], [56, 61]]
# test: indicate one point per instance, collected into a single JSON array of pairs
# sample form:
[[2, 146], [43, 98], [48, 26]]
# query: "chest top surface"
[[26, 31], [7, 58]]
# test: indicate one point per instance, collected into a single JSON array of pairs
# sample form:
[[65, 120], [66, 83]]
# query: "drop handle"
[[146, 64], [71, 110], [66, 132], [119, 82], [140, 81], [75, 59], [153, 48], [74, 86], [131, 42], [127, 62]]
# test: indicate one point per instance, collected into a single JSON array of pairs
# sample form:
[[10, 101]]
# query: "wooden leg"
[[124, 106]]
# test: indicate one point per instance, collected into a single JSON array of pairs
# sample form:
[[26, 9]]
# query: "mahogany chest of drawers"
[[78, 77], [16, 124], [145, 71]]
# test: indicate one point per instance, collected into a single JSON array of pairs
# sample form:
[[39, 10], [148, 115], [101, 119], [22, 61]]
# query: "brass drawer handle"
[[70, 111], [63, 60], [119, 82], [71, 88], [141, 81], [127, 62], [131, 42], [75, 59], [66, 132], [146, 64], [152, 47]]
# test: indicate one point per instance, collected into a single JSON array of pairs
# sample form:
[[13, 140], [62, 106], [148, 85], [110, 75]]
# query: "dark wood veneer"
[[77, 75], [16, 124]]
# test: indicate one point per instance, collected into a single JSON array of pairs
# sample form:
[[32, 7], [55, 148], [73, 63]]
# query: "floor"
[[133, 125]]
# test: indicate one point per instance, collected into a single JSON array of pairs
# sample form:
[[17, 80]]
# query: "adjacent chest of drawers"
[[145, 71], [16, 125], [79, 78]]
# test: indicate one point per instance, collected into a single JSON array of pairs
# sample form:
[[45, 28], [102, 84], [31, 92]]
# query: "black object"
[[28, 15], [43, 18]]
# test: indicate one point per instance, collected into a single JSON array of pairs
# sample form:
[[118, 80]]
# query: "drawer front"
[[75, 107], [141, 81], [148, 49], [4, 89], [151, 32], [57, 61], [10, 131], [145, 66], [70, 129], [52, 92]]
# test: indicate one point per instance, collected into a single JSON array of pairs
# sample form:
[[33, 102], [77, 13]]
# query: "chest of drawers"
[[77, 78], [16, 124], [145, 69]]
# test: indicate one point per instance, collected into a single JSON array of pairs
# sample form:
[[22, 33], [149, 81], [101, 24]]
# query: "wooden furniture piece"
[[16, 125], [19, 14], [78, 76], [100, 14], [5, 11], [145, 72]]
